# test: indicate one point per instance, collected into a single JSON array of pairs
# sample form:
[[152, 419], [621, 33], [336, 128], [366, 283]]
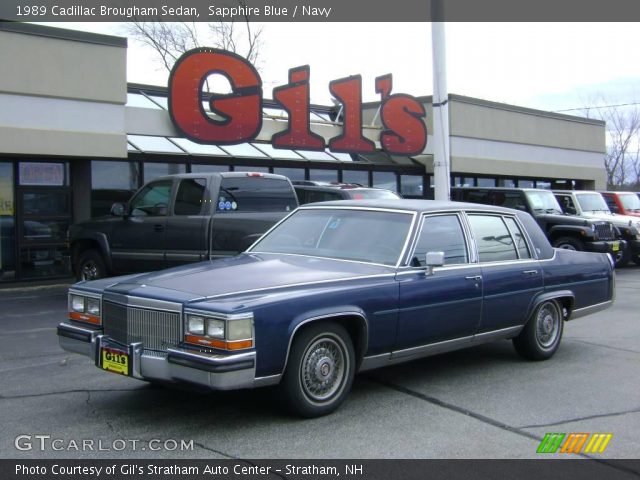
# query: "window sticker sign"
[[42, 174], [239, 113]]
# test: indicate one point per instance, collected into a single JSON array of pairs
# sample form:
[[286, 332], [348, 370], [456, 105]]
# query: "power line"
[[597, 108]]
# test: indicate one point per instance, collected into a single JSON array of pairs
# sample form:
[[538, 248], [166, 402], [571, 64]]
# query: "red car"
[[623, 203]]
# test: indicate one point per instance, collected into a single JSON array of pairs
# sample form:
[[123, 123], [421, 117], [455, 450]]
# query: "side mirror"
[[118, 210], [433, 259]]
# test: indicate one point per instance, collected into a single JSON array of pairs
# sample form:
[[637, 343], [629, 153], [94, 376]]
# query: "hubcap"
[[547, 325], [89, 271], [323, 369]]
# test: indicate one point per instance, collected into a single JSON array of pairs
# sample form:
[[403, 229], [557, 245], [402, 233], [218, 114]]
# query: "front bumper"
[[606, 246], [176, 365]]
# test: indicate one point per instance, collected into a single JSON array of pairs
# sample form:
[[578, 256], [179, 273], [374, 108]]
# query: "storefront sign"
[[49, 174], [404, 131]]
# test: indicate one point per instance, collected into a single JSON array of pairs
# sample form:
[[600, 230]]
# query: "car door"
[[186, 227], [138, 241], [511, 276], [446, 305]]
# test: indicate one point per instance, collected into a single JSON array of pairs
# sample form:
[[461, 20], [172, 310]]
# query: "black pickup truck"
[[563, 231], [178, 219]]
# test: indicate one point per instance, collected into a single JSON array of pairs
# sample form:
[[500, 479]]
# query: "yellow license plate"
[[115, 361], [616, 246]]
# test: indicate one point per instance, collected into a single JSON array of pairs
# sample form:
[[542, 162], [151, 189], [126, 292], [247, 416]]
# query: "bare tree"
[[622, 160], [172, 39]]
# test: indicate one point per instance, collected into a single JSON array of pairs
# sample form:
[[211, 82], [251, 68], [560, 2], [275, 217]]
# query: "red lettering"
[[349, 92], [402, 117], [294, 97], [241, 110]]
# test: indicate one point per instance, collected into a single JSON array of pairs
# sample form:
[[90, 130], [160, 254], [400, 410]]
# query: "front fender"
[[577, 230], [101, 239]]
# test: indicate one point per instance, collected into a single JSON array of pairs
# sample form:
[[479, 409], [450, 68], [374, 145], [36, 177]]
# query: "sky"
[[549, 66]]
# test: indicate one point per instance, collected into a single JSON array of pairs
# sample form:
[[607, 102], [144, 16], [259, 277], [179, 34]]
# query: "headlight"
[[84, 308], [218, 330], [195, 324]]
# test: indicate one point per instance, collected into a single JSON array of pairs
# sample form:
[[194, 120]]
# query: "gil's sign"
[[240, 112]]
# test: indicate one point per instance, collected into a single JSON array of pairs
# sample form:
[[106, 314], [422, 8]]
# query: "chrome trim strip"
[[219, 315], [582, 312], [141, 302], [405, 355], [266, 381], [327, 258], [212, 359], [83, 293], [318, 282], [347, 207], [411, 232], [145, 255]]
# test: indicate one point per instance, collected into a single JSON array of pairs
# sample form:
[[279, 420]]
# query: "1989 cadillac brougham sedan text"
[[336, 288]]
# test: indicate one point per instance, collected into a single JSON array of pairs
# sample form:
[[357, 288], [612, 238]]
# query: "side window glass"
[[611, 203], [441, 233], [493, 238], [567, 204], [516, 233], [153, 200], [190, 197]]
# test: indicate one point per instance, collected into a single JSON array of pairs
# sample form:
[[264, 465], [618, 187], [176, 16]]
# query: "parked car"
[[591, 205], [623, 203], [337, 288], [562, 230], [313, 191], [179, 219]]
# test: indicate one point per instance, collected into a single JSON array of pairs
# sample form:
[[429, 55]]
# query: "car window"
[[316, 196], [566, 202], [190, 197], [441, 233], [611, 203], [153, 200], [255, 194], [516, 233], [493, 239], [368, 236]]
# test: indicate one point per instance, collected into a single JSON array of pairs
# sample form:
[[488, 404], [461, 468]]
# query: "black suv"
[[312, 191], [563, 231]]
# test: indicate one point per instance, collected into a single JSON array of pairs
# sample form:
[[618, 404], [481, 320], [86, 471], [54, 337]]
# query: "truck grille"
[[156, 329], [605, 231]]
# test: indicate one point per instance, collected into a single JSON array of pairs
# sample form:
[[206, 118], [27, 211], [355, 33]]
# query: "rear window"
[[373, 194], [255, 194]]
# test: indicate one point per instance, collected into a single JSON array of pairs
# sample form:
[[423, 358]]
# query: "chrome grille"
[[156, 329], [605, 231]]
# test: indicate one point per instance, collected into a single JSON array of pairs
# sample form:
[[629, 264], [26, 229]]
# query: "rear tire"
[[319, 371], [540, 337], [90, 266]]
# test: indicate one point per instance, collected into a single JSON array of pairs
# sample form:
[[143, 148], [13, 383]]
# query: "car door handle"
[[158, 227], [475, 278], [530, 272]]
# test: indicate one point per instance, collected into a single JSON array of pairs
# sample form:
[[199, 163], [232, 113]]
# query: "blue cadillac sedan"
[[338, 288]]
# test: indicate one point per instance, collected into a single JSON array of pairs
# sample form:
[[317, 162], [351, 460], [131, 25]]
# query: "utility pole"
[[441, 155]]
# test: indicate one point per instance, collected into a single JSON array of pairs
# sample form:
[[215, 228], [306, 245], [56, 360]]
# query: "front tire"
[[540, 337], [569, 243], [319, 371], [90, 266]]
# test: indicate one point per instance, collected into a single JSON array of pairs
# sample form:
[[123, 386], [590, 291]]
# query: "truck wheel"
[[622, 258], [541, 336], [636, 259], [569, 243], [319, 371], [90, 266]]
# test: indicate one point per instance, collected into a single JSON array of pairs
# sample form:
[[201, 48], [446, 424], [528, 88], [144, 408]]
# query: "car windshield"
[[630, 201], [592, 202], [370, 194], [345, 234], [544, 201]]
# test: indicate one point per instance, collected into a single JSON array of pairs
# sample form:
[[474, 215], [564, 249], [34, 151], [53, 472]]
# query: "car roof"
[[420, 206]]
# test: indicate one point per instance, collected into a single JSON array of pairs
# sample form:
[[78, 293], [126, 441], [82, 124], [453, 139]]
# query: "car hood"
[[618, 220], [243, 273]]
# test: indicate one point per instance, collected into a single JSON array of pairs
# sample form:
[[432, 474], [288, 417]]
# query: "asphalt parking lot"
[[484, 402]]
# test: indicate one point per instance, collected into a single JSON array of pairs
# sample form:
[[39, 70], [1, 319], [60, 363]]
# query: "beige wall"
[[61, 95]]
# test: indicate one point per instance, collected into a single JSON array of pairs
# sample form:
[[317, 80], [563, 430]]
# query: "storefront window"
[[201, 168], [245, 168], [154, 170], [385, 180], [486, 182], [291, 173], [356, 176], [321, 175], [543, 184], [506, 182], [7, 225], [112, 182], [525, 183], [463, 182], [411, 185]]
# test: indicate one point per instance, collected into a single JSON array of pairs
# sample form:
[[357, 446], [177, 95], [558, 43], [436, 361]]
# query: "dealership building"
[[75, 138]]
